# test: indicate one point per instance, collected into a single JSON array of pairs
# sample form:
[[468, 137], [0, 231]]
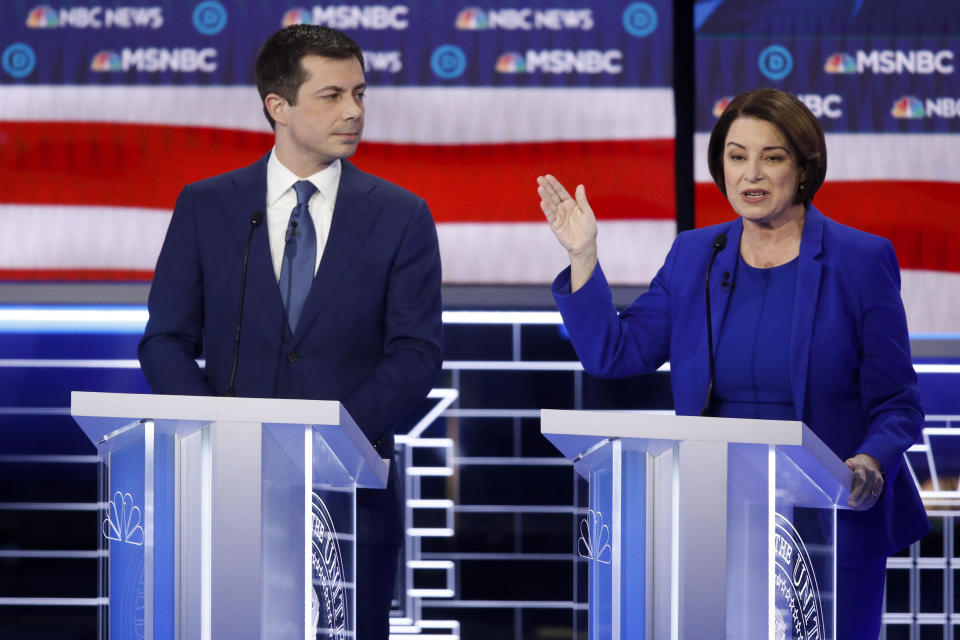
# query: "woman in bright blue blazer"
[[807, 324]]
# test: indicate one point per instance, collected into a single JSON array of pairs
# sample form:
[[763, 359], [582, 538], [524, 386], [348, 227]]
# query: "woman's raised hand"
[[571, 220], [574, 224]]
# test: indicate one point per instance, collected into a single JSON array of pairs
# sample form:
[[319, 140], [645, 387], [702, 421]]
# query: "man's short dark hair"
[[792, 117], [278, 67]]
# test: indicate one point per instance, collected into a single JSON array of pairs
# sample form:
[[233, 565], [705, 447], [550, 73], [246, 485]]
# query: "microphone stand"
[[718, 244], [255, 221]]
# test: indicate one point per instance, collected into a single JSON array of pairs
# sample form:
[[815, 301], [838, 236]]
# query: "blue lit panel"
[[73, 319]]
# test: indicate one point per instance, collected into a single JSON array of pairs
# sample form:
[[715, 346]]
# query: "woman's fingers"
[[558, 188], [553, 191], [866, 483], [581, 194]]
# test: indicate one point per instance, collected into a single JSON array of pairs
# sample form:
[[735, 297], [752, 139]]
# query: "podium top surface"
[[102, 415], [669, 427], [135, 406], [576, 433]]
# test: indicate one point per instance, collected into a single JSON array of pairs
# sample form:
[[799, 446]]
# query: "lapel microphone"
[[726, 284], [255, 219], [718, 244]]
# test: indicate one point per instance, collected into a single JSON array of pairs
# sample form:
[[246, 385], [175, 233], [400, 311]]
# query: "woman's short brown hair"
[[798, 125]]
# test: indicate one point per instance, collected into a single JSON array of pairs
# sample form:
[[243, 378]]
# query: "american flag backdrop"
[[108, 108]]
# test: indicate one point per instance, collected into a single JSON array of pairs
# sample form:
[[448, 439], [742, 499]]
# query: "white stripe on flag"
[[80, 237], [932, 300], [415, 115], [631, 251]]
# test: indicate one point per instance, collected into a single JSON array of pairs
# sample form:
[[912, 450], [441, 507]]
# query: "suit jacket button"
[[293, 357]]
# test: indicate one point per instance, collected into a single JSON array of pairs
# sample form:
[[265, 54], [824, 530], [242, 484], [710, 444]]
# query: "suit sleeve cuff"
[[596, 284], [889, 464]]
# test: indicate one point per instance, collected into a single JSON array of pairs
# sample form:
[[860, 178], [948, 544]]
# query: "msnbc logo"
[[347, 16], [42, 17], [297, 15], [561, 61], [106, 61], [840, 63], [154, 60], [907, 107], [511, 63], [720, 105], [472, 19], [893, 62]]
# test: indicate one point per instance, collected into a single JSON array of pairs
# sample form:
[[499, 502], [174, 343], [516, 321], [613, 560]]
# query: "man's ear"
[[277, 107]]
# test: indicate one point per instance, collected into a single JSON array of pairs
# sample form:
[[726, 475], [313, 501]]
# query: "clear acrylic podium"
[[696, 528], [226, 517]]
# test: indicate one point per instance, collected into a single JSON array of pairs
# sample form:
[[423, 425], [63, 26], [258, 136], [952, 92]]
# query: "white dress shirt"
[[281, 199]]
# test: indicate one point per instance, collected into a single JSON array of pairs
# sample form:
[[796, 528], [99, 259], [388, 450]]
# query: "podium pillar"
[[227, 517], [702, 527]]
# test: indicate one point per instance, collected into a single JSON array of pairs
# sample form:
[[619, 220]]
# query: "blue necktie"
[[299, 255]]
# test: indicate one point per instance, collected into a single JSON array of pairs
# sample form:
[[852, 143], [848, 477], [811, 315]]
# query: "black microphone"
[[718, 244], [255, 219]]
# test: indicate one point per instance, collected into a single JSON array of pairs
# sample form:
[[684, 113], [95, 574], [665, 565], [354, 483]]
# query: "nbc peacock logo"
[[42, 17], [594, 541], [123, 522], [721, 105], [511, 63], [106, 61], [908, 108], [297, 15], [472, 19], [840, 63]]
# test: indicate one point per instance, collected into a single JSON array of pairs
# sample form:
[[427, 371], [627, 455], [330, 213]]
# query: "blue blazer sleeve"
[[888, 382], [611, 344]]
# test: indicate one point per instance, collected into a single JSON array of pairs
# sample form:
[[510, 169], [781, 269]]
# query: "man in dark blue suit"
[[342, 284]]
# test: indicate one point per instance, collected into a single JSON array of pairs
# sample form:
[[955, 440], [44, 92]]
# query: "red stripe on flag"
[[145, 166], [122, 165], [624, 179], [75, 275], [919, 218]]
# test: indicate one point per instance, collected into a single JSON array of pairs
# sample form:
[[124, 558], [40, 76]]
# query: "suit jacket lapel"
[[249, 194], [353, 218], [809, 271]]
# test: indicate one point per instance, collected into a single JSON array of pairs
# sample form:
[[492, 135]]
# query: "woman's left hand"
[[866, 486]]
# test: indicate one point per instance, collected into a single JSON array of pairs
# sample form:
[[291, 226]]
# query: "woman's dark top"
[[752, 359]]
